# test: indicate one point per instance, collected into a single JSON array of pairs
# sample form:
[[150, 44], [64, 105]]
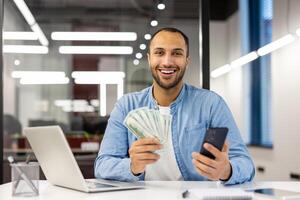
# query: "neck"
[[165, 97]]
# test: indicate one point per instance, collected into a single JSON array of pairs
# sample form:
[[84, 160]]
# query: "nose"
[[167, 60]]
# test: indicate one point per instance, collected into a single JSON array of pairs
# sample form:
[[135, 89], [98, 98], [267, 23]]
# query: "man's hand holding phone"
[[142, 153], [217, 169], [213, 161]]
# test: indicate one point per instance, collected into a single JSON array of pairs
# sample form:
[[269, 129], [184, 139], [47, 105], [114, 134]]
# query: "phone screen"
[[215, 137]]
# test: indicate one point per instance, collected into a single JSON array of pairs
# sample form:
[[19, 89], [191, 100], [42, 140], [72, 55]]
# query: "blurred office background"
[[55, 72]]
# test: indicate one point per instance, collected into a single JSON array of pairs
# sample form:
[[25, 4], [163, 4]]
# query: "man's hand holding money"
[[142, 153]]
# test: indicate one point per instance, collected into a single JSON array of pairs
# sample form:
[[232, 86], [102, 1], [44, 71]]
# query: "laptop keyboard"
[[94, 185]]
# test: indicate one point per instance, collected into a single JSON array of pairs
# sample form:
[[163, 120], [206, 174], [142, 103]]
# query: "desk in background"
[[155, 190]]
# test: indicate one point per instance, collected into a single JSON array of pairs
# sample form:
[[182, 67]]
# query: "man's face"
[[168, 59]]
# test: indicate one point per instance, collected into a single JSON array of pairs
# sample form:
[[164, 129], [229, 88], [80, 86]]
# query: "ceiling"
[[64, 11]]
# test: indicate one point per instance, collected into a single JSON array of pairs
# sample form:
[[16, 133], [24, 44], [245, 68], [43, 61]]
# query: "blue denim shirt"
[[193, 111]]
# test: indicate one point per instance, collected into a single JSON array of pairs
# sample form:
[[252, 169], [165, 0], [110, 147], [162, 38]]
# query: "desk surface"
[[155, 190]]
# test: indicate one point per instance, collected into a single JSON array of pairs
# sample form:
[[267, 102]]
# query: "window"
[[260, 27]]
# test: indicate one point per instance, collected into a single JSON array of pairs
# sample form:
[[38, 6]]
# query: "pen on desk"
[[185, 194]]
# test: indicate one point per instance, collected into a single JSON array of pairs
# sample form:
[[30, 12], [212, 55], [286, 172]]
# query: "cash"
[[145, 122]]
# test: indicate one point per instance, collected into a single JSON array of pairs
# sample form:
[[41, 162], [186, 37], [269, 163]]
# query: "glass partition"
[[66, 63]]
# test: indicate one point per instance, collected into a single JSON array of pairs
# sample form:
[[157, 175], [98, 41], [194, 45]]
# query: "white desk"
[[155, 190]]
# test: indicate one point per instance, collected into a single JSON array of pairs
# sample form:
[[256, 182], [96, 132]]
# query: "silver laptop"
[[59, 165]]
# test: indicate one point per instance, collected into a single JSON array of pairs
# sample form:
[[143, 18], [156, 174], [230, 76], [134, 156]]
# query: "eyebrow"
[[176, 49]]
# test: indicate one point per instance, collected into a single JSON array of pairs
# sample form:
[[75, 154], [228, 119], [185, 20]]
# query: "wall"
[[283, 159], [225, 46]]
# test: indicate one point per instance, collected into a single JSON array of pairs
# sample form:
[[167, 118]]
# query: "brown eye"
[[158, 52], [178, 53]]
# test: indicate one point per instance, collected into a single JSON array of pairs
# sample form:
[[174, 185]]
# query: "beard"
[[170, 85]]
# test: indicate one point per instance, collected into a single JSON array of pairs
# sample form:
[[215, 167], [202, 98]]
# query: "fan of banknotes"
[[145, 122]]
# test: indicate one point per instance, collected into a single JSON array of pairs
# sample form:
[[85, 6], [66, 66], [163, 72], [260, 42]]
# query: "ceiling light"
[[147, 36], [94, 36], [136, 62], [244, 60], [154, 23], [19, 35], [138, 55], [17, 62], [103, 100], [31, 21], [98, 77], [25, 11], [275, 45], [41, 36], [43, 80], [220, 71], [98, 74], [161, 6], [122, 50], [143, 46], [33, 74], [30, 49]]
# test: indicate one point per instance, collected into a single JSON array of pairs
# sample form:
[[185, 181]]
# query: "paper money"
[[145, 122]]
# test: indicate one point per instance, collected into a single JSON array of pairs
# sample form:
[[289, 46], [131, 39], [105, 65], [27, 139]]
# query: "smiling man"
[[124, 157]]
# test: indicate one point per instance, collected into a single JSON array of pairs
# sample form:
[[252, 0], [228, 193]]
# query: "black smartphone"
[[215, 137]]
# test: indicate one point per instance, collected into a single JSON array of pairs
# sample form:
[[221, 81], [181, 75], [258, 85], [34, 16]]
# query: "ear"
[[188, 61], [148, 57]]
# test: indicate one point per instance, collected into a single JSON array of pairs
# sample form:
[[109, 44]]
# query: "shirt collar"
[[174, 103]]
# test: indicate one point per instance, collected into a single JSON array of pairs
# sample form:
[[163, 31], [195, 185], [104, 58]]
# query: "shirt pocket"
[[192, 140]]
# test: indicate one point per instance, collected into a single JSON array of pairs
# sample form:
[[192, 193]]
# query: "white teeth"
[[167, 71]]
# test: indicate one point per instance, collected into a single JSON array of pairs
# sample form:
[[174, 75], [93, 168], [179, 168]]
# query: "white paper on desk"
[[220, 194]]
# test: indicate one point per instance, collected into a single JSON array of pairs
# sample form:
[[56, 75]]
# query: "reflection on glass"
[[46, 42]]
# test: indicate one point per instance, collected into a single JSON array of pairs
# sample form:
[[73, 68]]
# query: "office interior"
[[253, 61]]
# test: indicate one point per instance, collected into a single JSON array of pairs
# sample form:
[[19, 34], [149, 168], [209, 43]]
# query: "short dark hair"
[[173, 30]]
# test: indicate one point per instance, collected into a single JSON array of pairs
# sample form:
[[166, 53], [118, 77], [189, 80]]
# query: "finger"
[[203, 173], [225, 147], [203, 167], [147, 162], [147, 156], [205, 160], [145, 141], [146, 148], [213, 150]]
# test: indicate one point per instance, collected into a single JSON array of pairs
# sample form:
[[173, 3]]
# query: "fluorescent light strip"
[[281, 42], [42, 38], [103, 100], [20, 35], [244, 60], [33, 74], [25, 11], [43, 80], [94, 36], [98, 77], [220, 71], [28, 49], [31, 21], [275, 45], [96, 81], [120, 50], [98, 74]]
